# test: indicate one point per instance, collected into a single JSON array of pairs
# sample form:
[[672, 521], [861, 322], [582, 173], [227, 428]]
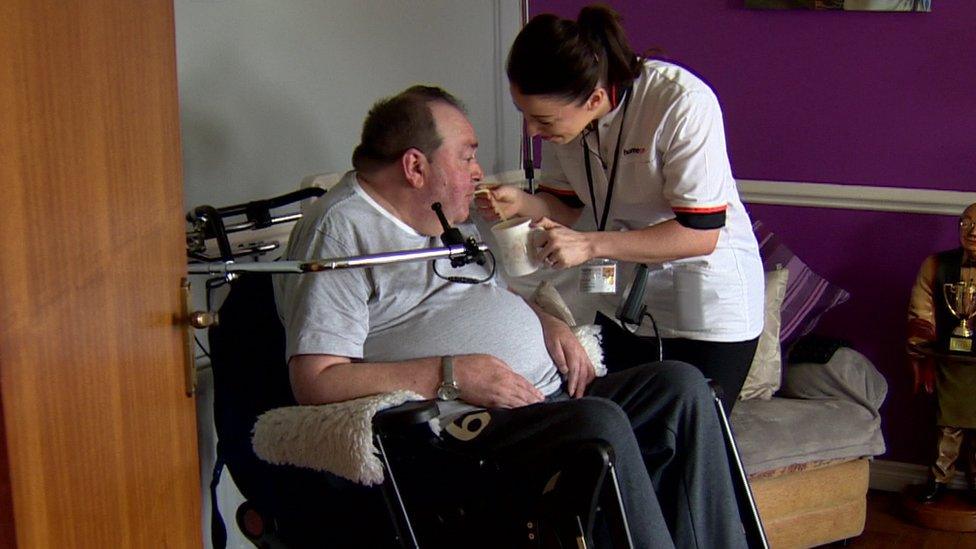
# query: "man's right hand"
[[487, 381]]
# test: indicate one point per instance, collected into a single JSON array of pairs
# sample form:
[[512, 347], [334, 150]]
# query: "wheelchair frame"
[[591, 468]]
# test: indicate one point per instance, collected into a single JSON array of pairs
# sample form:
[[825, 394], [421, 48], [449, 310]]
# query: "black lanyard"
[[602, 223]]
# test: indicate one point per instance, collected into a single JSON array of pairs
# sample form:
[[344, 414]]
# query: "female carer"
[[638, 144]]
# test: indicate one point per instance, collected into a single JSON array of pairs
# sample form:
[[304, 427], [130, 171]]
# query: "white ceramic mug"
[[515, 246]]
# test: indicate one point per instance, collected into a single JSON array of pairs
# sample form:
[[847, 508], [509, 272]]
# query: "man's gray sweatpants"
[[670, 457]]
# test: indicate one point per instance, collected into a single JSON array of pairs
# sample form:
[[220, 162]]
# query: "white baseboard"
[[894, 476]]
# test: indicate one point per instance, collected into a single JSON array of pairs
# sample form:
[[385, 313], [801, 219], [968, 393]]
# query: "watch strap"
[[448, 388], [447, 370]]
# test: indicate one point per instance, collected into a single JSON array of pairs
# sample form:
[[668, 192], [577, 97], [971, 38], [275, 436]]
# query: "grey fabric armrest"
[[847, 375]]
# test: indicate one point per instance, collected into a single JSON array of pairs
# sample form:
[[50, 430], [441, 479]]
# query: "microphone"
[[453, 237]]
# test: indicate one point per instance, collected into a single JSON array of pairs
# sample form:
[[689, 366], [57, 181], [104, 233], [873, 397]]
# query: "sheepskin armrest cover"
[[337, 438]]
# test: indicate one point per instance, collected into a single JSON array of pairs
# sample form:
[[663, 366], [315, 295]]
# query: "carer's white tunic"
[[673, 163]]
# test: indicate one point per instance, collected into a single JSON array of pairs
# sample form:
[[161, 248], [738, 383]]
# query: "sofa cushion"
[[783, 431], [763, 378], [808, 295], [835, 417]]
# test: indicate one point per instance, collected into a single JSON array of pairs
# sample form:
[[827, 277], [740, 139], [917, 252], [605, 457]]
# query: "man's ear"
[[414, 165]]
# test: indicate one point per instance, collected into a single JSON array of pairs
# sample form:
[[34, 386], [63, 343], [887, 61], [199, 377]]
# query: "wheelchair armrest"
[[404, 415], [342, 441]]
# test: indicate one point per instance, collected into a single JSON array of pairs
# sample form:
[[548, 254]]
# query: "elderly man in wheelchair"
[[516, 396]]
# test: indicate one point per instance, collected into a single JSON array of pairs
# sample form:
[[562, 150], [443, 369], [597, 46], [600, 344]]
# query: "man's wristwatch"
[[448, 389]]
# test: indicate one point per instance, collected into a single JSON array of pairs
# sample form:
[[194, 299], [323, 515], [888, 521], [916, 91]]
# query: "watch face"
[[447, 392]]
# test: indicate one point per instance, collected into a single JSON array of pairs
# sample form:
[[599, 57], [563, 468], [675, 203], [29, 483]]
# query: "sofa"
[[807, 422], [806, 450]]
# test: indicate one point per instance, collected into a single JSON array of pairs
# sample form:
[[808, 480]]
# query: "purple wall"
[[882, 99]]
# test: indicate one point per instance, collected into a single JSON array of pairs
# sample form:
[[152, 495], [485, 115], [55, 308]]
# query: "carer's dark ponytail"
[[601, 24], [568, 59]]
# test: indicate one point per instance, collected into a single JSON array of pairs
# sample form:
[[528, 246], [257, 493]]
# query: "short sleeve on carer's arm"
[[553, 178], [327, 312], [697, 175]]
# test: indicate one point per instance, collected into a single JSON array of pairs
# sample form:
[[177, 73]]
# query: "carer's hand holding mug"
[[517, 245], [563, 247]]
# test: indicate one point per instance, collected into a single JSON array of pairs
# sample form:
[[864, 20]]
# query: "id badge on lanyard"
[[599, 275]]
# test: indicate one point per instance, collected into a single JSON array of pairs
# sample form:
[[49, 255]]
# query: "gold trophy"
[[961, 299]]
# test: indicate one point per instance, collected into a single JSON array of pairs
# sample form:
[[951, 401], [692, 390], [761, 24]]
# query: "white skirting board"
[[855, 197], [894, 476]]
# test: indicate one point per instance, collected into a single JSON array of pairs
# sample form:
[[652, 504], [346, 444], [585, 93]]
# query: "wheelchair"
[[430, 497]]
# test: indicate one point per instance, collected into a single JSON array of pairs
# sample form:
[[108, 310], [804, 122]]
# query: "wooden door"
[[99, 435]]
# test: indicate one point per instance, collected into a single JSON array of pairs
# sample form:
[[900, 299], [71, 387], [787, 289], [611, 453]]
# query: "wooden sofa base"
[[815, 506]]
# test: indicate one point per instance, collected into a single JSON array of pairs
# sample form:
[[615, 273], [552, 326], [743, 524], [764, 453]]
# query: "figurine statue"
[[951, 376]]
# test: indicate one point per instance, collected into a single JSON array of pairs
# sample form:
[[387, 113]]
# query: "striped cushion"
[[808, 295]]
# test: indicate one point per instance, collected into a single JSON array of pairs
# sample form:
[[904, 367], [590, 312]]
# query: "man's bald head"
[[399, 123]]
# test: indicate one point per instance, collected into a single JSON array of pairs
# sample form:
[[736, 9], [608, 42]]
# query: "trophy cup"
[[961, 299]]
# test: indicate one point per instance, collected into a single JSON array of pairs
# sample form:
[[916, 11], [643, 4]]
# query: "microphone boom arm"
[[333, 264]]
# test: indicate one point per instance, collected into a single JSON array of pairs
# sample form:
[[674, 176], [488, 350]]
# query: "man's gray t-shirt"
[[401, 311]]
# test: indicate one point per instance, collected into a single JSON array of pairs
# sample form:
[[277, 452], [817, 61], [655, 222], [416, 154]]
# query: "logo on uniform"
[[635, 150]]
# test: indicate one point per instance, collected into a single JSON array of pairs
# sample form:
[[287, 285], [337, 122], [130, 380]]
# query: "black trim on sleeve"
[[570, 199], [701, 221]]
